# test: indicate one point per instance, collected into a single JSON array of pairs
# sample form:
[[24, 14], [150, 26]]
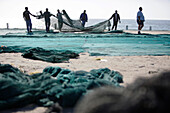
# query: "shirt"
[[140, 14], [26, 15], [116, 17], [83, 17], [47, 16], [59, 16]]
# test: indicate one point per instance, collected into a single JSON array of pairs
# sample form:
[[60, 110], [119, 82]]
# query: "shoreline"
[[153, 32], [131, 31]]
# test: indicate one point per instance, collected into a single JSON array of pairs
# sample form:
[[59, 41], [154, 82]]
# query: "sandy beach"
[[81, 49], [131, 67]]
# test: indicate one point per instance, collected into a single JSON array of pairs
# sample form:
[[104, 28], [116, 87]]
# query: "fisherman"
[[47, 16], [26, 16], [116, 18], [140, 20], [60, 19], [83, 18]]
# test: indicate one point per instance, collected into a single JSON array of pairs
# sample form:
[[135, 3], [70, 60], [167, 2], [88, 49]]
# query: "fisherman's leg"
[[59, 25], [142, 25], [47, 29], [27, 24], [112, 27], [46, 26], [30, 26], [115, 24], [108, 28], [49, 26], [83, 23], [139, 26], [115, 27]]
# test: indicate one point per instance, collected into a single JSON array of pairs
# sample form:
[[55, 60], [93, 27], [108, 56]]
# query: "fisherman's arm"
[[111, 17], [119, 19], [40, 16], [24, 15], [80, 16], [139, 18], [33, 15], [52, 15], [86, 18]]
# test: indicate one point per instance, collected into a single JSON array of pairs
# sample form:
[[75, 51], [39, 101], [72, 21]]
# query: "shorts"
[[140, 22]]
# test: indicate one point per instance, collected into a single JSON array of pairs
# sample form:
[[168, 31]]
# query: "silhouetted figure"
[[47, 16], [116, 18], [26, 16], [140, 20], [60, 20], [83, 18]]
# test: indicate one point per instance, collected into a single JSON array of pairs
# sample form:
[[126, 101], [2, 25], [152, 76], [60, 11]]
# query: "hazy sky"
[[11, 11]]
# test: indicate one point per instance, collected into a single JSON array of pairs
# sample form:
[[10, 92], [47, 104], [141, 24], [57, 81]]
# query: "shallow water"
[[95, 44]]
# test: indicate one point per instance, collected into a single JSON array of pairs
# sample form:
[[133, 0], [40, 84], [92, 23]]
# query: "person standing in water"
[[26, 16], [140, 20], [116, 18], [60, 19], [83, 18]]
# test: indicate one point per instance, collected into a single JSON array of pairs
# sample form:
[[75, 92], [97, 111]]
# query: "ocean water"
[[96, 44], [159, 25]]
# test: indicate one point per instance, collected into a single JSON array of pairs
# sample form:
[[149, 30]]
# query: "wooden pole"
[[55, 26], [126, 27], [150, 28], [7, 25]]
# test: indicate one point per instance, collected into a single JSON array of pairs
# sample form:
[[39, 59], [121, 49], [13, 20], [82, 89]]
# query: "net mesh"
[[75, 25]]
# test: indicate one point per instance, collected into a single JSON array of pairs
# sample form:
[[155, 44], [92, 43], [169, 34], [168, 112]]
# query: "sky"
[[11, 11]]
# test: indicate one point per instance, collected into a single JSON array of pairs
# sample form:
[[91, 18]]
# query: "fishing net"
[[54, 56], [76, 25], [53, 85]]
